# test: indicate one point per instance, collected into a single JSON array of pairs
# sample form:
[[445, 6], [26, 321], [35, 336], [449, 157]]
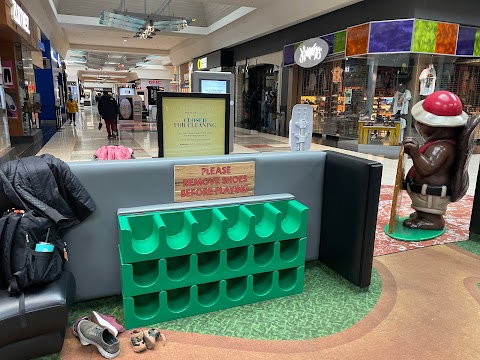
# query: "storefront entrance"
[[259, 97]]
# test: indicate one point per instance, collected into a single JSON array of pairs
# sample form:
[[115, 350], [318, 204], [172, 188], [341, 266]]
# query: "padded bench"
[[46, 311]]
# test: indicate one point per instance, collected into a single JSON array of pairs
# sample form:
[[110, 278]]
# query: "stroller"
[[113, 152]]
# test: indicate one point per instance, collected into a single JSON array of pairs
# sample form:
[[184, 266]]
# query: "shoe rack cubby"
[[181, 263]]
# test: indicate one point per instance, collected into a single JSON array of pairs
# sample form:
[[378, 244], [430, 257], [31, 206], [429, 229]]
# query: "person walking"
[[108, 110], [72, 109]]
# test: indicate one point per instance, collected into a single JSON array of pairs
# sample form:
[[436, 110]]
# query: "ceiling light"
[[125, 40], [144, 26]]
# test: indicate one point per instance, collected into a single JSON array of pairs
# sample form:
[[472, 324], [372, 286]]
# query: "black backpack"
[[22, 267]]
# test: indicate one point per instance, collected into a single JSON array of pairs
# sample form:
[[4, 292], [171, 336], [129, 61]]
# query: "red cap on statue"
[[440, 109]]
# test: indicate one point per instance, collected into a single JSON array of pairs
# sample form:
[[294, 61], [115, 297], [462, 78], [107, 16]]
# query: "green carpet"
[[472, 245], [329, 304]]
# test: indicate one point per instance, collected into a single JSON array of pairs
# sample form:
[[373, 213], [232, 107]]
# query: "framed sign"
[[214, 181], [193, 124]]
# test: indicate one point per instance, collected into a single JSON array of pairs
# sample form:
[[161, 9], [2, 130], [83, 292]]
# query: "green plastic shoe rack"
[[188, 262]]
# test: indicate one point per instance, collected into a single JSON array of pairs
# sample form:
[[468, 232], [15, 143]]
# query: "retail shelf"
[[187, 270], [157, 307], [163, 235]]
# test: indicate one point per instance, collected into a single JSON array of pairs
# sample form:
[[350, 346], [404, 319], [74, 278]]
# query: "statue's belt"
[[430, 190]]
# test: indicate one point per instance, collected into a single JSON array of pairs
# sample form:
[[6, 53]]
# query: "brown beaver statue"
[[439, 174]]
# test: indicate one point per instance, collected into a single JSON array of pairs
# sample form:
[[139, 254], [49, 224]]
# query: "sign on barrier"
[[214, 181]]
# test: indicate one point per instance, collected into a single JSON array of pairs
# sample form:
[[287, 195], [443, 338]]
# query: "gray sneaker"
[[92, 334]]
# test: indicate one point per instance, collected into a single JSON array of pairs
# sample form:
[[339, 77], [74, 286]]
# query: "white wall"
[[42, 13], [276, 15], [166, 73], [91, 85]]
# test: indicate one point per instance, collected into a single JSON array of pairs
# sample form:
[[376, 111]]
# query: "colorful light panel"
[[339, 41], [476, 51], [466, 40], [424, 36], [446, 38], [391, 36], [330, 40], [288, 55], [357, 40]]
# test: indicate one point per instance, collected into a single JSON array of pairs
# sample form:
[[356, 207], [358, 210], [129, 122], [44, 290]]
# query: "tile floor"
[[80, 142]]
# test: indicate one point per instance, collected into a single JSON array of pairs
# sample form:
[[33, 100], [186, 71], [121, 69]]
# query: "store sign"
[[20, 17], [202, 63], [214, 181], [54, 55], [311, 52]]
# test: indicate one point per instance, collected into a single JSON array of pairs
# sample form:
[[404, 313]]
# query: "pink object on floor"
[[111, 320], [112, 152]]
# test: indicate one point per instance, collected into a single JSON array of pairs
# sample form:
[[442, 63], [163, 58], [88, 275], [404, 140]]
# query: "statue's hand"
[[411, 147]]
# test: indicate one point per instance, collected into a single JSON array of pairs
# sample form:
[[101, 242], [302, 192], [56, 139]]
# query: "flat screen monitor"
[[214, 86], [126, 92]]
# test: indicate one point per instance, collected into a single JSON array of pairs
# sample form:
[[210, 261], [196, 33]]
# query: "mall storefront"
[[375, 73], [258, 81], [19, 53]]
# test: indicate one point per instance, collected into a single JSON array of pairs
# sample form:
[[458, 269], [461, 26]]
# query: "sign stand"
[[301, 128]]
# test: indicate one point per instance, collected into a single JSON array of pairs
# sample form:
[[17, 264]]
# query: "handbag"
[[100, 124]]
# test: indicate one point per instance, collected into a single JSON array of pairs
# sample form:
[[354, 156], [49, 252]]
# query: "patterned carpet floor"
[[457, 220], [329, 304], [427, 296], [332, 313]]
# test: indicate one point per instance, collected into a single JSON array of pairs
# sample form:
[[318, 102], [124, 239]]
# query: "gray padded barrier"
[[475, 221], [113, 185]]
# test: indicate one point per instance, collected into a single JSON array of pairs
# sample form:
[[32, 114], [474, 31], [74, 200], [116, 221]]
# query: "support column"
[[372, 63]]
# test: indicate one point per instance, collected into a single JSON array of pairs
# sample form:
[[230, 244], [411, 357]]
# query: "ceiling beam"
[[118, 50], [162, 6], [121, 7]]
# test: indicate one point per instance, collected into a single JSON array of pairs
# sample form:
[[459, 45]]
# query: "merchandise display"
[[428, 79], [401, 100]]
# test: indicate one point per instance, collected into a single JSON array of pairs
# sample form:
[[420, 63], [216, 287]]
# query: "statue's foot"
[[420, 223]]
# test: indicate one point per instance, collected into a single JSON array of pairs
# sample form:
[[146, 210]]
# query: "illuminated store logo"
[[202, 63], [311, 52], [20, 17]]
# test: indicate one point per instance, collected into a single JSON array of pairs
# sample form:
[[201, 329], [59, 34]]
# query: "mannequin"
[[428, 78], [401, 102]]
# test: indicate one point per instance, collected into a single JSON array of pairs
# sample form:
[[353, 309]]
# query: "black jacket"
[[108, 107], [46, 185]]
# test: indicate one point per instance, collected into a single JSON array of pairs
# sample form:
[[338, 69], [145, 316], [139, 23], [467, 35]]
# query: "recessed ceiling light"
[[125, 40]]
